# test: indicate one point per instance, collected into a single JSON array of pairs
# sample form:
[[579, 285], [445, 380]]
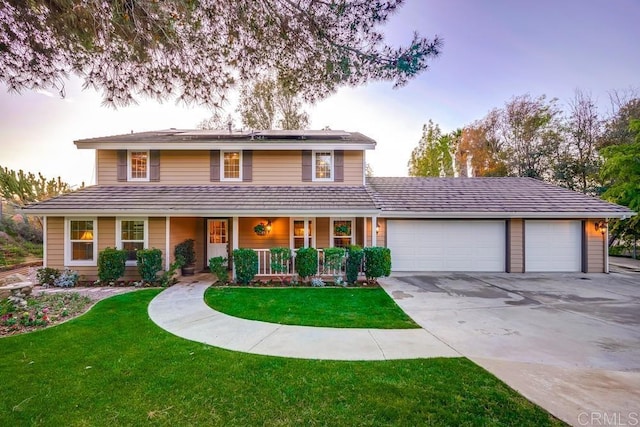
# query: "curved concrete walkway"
[[182, 311]]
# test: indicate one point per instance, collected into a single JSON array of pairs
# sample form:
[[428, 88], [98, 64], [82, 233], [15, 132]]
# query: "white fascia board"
[[201, 213], [489, 215], [316, 145]]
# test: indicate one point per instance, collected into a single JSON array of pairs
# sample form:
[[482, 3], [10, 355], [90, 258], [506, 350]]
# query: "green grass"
[[332, 307], [113, 366]]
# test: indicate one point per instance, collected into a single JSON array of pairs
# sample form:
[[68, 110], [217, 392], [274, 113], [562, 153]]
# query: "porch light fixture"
[[600, 226], [377, 227]]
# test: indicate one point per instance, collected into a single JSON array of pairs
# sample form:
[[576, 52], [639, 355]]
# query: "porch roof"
[[512, 197], [205, 200]]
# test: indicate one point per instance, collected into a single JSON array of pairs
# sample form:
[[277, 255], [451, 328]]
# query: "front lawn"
[[113, 366], [332, 307]]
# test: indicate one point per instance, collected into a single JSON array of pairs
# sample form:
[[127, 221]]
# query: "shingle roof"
[[505, 196], [209, 199], [388, 197]]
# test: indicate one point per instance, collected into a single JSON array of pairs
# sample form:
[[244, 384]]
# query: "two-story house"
[[308, 189]]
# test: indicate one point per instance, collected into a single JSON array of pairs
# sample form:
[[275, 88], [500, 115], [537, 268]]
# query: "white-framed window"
[[323, 165], [303, 231], [343, 232], [231, 165], [132, 235], [80, 241], [138, 165]]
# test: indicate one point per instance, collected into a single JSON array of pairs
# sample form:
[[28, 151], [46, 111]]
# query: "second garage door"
[[553, 246], [434, 245]]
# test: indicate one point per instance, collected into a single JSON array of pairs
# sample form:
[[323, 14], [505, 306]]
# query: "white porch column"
[[374, 233], [167, 243], [234, 241]]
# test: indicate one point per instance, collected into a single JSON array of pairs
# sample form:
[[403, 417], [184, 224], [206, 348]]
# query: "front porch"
[[219, 236]]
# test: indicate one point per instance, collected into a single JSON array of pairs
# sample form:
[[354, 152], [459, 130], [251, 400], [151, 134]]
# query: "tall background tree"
[[434, 155], [198, 50], [20, 188], [267, 104]]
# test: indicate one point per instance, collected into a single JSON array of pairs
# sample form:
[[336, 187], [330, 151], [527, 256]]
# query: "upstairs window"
[[231, 165], [138, 166], [323, 166]]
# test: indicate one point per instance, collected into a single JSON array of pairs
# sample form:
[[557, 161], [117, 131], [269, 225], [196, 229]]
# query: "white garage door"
[[553, 246], [424, 245]]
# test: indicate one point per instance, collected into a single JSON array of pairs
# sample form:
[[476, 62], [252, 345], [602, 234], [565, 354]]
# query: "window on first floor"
[[342, 232], [131, 235], [80, 242], [302, 233]]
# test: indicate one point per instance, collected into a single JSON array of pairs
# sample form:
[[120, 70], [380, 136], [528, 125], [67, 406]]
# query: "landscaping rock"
[[13, 278], [16, 289]]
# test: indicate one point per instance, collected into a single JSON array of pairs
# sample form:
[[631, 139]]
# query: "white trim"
[[605, 242], [119, 234], [167, 247], [129, 177], [202, 213], [222, 177], [374, 232], [261, 145], [502, 215], [332, 227], [44, 241], [314, 177], [68, 262]]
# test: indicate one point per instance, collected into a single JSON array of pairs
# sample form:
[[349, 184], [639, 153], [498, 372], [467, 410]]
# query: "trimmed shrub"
[[111, 264], [246, 263], [218, 266], [377, 262], [185, 253], [280, 258], [306, 262], [333, 258], [354, 262], [149, 264], [47, 275], [67, 279]]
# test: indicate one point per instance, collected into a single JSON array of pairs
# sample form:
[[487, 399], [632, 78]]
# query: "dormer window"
[[323, 165], [231, 165], [138, 166]]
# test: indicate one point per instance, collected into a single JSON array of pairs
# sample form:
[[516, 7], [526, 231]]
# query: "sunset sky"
[[493, 50]]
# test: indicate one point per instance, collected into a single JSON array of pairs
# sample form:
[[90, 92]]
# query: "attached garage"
[[447, 245], [553, 246]]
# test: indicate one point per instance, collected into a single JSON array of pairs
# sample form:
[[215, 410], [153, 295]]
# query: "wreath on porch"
[[260, 229], [342, 230]]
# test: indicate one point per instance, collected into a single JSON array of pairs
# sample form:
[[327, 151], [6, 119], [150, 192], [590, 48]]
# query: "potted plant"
[[186, 256]]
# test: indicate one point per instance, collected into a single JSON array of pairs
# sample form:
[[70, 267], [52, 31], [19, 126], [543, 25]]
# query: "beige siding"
[[360, 233], [55, 242], [322, 233], [594, 248], [279, 236], [192, 168], [157, 229], [516, 246]]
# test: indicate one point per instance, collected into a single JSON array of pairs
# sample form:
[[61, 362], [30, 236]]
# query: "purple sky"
[[494, 50]]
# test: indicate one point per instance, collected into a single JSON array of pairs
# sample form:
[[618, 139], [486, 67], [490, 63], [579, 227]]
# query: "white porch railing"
[[264, 265]]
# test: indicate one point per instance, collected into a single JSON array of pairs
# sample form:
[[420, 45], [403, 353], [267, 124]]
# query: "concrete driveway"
[[568, 342]]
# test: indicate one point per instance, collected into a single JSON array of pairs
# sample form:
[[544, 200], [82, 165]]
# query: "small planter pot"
[[188, 270]]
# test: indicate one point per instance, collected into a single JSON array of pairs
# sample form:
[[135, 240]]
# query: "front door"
[[218, 238]]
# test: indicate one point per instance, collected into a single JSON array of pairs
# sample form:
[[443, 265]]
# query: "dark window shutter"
[[214, 166], [247, 165], [307, 165], [122, 165], [338, 165], [154, 165]]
